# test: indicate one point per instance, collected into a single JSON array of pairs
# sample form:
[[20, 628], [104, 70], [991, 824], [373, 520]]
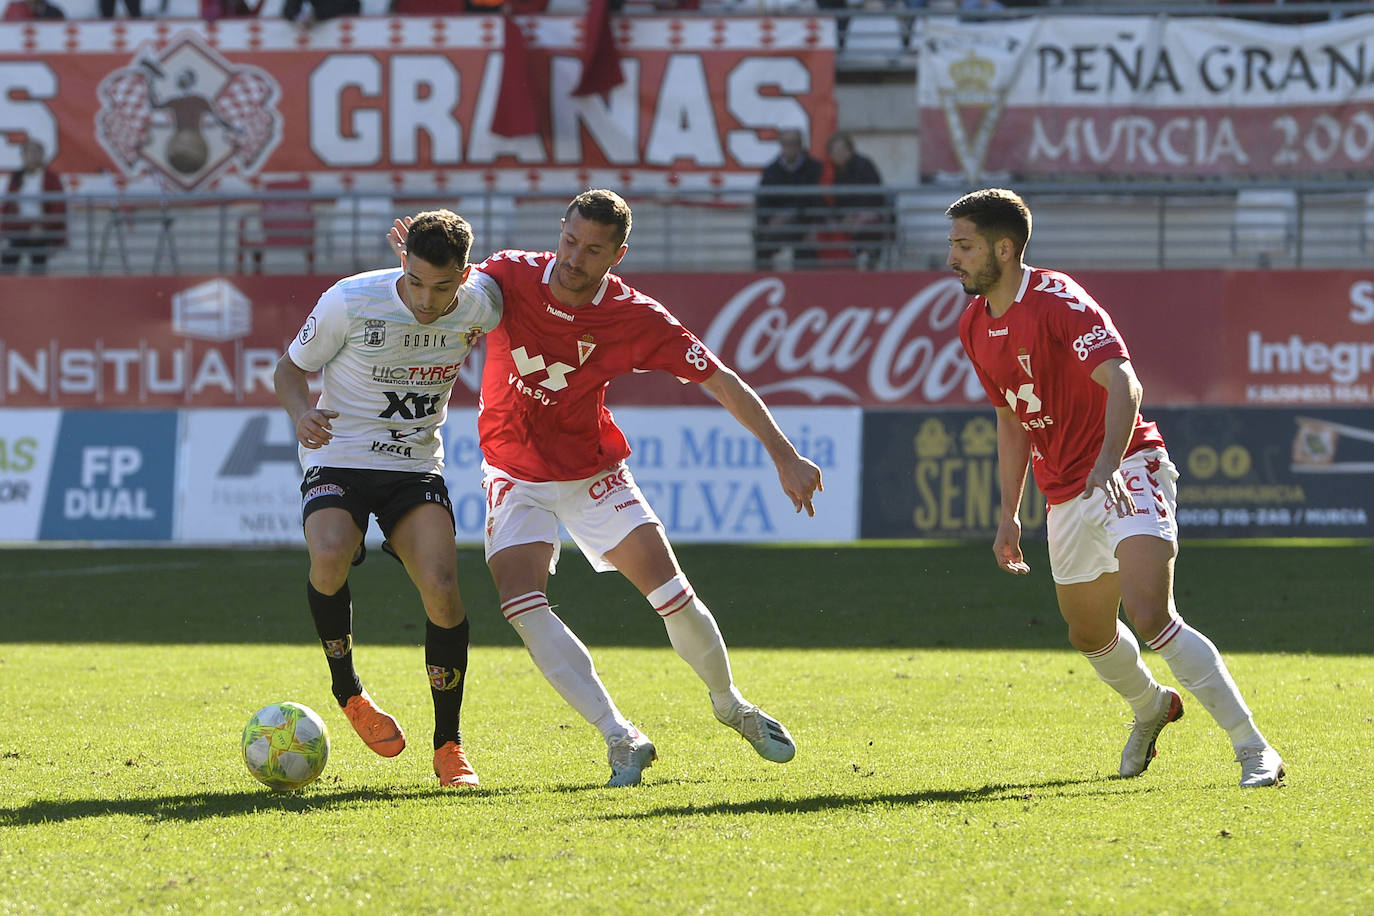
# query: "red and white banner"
[[825, 337], [1145, 96], [412, 103]]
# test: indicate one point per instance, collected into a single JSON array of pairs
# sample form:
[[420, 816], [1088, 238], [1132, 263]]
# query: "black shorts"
[[361, 492]]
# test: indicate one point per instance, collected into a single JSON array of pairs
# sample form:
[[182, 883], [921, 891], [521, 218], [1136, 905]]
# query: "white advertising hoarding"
[[706, 476], [28, 440]]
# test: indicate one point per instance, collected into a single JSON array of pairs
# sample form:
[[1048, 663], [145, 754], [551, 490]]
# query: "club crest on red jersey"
[[1023, 358], [585, 345]]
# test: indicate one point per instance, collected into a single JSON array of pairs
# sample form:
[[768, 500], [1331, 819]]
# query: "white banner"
[[1149, 95], [710, 480], [707, 477], [28, 441]]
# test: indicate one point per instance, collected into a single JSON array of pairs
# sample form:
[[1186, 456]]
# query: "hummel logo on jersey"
[[558, 312], [410, 405], [526, 364], [999, 332]]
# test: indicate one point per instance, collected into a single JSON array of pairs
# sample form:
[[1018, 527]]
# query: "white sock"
[[694, 634], [1198, 666], [565, 662], [1119, 664]]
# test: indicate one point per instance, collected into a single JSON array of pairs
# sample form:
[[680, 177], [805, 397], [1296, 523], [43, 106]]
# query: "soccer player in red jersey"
[[1068, 404], [553, 454]]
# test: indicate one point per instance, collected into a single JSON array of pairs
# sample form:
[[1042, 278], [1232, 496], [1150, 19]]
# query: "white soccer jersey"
[[388, 376]]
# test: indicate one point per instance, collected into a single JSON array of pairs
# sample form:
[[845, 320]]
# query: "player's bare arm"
[[799, 476], [311, 423], [1123, 403], [1013, 459]]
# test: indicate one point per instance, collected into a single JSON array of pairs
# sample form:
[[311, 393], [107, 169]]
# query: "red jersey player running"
[[1068, 403], [553, 454]]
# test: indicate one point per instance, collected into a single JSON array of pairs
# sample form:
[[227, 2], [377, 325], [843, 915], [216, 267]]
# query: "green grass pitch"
[[955, 756]]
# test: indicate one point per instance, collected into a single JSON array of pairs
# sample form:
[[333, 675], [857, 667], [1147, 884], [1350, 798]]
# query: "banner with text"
[[233, 475], [826, 337], [1252, 472], [1145, 95], [411, 103]]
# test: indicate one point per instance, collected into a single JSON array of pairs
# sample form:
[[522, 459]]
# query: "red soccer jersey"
[[543, 414], [1038, 359]]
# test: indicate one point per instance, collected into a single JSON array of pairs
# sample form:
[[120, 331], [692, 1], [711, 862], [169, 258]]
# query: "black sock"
[[334, 623], [446, 662]]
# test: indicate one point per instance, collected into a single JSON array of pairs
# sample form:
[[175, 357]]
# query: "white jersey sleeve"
[[323, 335]]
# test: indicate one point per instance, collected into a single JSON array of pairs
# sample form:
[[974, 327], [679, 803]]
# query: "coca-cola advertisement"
[[835, 338]]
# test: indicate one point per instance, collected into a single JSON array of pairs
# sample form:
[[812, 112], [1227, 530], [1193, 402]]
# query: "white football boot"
[[765, 733], [628, 757], [1259, 766], [1140, 747]]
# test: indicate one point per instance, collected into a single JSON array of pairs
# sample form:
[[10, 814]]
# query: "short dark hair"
[[996, 213], [605, 207], [440, 237]]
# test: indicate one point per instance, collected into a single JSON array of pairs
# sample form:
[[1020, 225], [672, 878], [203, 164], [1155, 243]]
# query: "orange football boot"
[[452, 767], [378, 730]]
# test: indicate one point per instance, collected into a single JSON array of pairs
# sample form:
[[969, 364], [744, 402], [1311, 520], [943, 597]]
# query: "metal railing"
[[1119, 225]]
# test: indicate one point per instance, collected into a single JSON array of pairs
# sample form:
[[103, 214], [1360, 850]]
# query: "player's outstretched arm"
[[1013, 457], [311, 423], [799, 476]]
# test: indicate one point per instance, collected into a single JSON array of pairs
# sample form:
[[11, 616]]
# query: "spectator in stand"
[[862, 220], [25, 10], [32, 219], [133, 7], [212, 10], [304, 14], [783, 220]]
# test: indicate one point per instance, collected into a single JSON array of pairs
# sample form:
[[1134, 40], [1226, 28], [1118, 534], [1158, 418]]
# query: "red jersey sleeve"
[[664, 344], [1085, 329]]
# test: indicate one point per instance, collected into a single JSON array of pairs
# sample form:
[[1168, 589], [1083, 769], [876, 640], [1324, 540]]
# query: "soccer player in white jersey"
[[389, 344], [553, 454], [1068, 403]]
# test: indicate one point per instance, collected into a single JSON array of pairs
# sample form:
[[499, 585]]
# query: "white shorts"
[[597, 512], [1083, 533]]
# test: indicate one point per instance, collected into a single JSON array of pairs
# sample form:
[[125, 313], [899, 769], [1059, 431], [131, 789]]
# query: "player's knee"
[[438, 587], [329, 566], [446, 614], [1149, 621]]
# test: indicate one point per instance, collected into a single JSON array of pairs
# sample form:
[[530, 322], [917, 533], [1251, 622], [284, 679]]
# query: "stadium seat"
[[283, 223], [1266, 223], [875, 36]]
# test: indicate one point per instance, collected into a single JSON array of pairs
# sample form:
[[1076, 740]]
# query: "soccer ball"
[[285, 745]]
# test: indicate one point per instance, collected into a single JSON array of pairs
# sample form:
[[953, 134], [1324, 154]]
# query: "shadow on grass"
[[1027, 791], [207, 805], [1247, 598], [201, 806]]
